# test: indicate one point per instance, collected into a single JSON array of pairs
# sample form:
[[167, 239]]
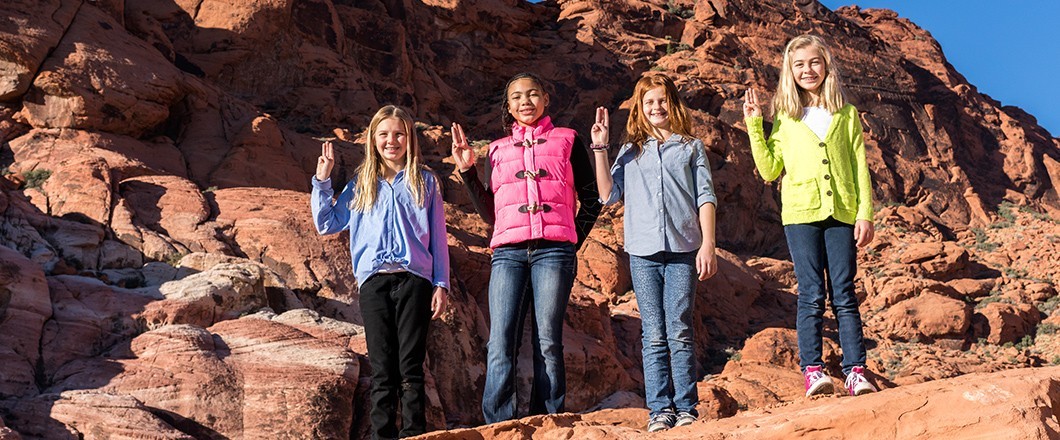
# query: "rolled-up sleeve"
[[704, 182], [618, 175]]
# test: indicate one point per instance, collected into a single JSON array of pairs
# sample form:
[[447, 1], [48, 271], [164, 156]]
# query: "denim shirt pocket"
[[803, 195], [677, 159]]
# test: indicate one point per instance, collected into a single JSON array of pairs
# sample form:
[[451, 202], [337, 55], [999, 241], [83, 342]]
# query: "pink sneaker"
[[817, 382], [857, 384]]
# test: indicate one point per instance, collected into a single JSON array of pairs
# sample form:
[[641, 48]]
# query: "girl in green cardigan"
[[826, 200]]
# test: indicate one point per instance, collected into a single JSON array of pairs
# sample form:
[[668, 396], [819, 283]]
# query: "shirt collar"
[[397, 177], [674, 137]]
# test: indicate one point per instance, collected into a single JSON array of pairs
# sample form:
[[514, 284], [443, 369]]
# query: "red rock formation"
[[24, 308], [1007, 323], [90, 414], [100, 77], [183, 132], [88, 317], [979, 405], [26, 40], [928, 315], [249, 377]]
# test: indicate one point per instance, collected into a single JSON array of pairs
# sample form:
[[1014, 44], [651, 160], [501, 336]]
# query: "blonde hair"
[[790, 97], [369, 172], [638, 128]]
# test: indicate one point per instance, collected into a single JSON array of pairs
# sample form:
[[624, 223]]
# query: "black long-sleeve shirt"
[[584, 185]]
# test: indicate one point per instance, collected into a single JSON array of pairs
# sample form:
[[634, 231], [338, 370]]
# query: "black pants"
[[396, 308]]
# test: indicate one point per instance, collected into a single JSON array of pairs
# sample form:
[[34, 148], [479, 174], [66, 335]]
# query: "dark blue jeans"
[[665, 284], [538, 274], [816, 248]]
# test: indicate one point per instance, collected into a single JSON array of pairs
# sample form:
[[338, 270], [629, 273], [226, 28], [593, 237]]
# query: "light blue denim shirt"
[[663, 189], [395, 233]]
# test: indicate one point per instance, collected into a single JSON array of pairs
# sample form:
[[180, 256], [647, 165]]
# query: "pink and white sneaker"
[[857, 384], [817, 382]]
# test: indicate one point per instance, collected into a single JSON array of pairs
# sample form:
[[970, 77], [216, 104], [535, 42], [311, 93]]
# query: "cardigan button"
[[829, 193], [822, 144], [825, 161], [826, 177]]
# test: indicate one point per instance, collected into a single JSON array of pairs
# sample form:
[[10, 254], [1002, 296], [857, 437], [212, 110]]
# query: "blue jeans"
[[537, 273], [816, 248], [665, 284]]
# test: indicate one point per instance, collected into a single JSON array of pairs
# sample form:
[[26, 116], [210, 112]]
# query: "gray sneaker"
[[684, 418], [661, 422]]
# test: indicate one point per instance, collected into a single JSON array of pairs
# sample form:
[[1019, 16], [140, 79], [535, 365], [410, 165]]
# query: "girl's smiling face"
[[808, 67], [391, 142], [526, 101], [656, 108]]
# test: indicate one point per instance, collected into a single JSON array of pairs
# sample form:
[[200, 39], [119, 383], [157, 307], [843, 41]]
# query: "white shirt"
[[818, 119]]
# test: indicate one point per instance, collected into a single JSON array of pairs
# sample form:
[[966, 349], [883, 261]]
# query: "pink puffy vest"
[[533, 185]]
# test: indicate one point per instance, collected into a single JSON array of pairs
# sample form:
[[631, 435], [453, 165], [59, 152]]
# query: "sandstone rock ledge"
[[1020, 403]]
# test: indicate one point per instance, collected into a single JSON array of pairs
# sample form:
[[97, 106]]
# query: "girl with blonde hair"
[[394, 212], [826, 201]]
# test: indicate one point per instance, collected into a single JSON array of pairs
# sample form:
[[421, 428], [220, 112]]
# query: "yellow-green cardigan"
[[822, 179]]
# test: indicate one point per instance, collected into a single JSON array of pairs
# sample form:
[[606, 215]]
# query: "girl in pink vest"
[[536, 178]]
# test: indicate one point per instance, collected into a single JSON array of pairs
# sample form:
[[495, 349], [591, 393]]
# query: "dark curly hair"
[[506, 118]]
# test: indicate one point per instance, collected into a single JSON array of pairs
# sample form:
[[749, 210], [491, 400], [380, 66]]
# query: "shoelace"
[[813, 376], [663, 418], [854, 379]]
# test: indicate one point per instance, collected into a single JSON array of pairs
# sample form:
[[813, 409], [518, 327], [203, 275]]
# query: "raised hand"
[[751, 105], [326, 161], [600, 130], [463, 154]]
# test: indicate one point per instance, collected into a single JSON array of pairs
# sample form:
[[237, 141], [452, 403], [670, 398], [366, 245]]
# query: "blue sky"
[[1007, 49]]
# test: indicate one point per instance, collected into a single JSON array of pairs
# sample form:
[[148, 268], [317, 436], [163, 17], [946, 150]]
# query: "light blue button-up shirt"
[[395, 234], [663, 189]]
